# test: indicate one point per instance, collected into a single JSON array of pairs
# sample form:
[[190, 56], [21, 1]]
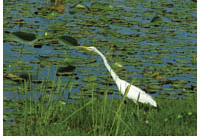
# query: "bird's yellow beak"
[[84, 47]]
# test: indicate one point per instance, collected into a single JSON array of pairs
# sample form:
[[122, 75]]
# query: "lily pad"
[[66, 69], [156, 20], [68, 41], [78, 8], [89, 78], [118, 64], [68, 60], [13, 77], [154, 88], [24, 37], [101, 6]]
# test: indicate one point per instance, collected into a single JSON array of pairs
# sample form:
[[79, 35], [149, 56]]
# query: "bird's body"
[[134, 93]]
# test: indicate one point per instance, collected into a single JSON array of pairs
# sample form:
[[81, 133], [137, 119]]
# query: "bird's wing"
[[134, 92]]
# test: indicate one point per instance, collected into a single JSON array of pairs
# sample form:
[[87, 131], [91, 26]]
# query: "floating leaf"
[[68, 60], [156, 19], [66, 69], [101, 6], [45, 62], [89, 78], [68, 41], [14, 77], [19, 77], [23, 37], [154, 88], [118, 64], [78, 8], [169, 5]]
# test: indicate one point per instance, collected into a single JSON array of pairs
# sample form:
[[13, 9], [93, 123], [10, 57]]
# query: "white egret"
[[134, 93]]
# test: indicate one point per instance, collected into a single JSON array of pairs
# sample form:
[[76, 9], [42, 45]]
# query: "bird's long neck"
[[114, 76]]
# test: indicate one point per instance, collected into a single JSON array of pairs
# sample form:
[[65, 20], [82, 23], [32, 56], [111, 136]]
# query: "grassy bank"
[[99, 116]]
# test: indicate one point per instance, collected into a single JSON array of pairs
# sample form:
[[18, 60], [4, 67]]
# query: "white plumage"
[[134, 92]]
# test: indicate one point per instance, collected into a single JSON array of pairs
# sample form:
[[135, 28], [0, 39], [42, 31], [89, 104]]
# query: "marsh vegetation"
[[53, 88]]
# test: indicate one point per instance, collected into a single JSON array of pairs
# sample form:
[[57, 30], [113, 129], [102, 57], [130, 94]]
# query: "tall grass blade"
[[88, 103]]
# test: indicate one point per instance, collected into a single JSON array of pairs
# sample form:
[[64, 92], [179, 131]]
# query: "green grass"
[[97, 115]]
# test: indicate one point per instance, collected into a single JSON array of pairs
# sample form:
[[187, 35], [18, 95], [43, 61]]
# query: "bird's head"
[[89, 48]]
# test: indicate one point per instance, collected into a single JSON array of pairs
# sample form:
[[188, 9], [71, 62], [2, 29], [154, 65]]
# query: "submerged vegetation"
[[53, 88]]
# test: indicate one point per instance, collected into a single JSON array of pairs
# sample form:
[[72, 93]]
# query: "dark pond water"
[[152, 42]]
